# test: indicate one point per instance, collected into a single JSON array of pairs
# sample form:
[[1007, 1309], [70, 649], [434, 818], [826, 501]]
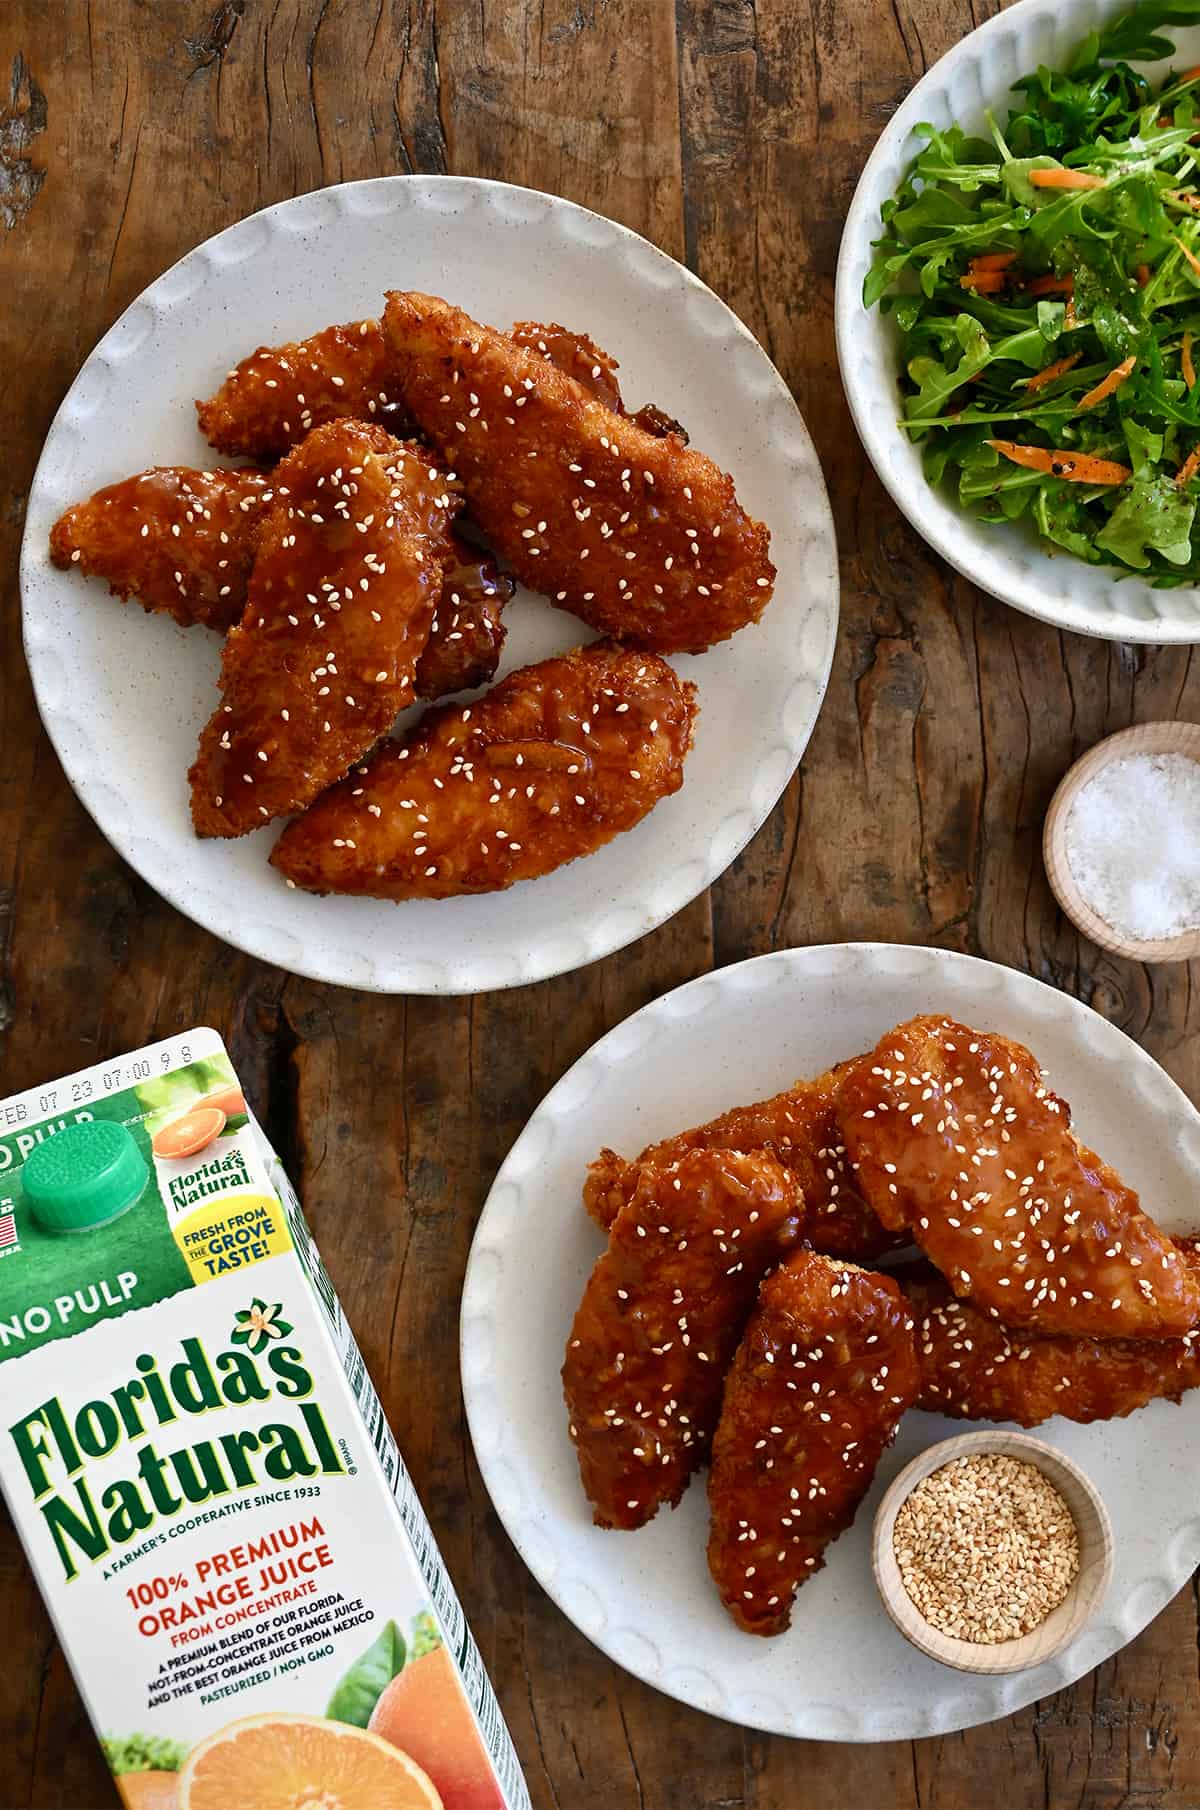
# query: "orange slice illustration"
[[188, 1135], [290, 1762]]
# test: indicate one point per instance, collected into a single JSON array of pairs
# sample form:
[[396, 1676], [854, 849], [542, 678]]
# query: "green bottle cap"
[[84, 1176]]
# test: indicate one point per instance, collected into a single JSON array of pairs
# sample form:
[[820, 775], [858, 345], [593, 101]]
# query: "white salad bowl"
[[1007, 559]]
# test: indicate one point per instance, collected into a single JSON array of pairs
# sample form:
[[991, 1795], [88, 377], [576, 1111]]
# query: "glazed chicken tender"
[[346, 579], [183, 542], [799, 1127], [825, 1369], [972, 1368], [277, 395], [581, 358], [467, 634], [660, 1320], [178, 540], [955, 1135], [641, 536], [550, 764], [575, 354]]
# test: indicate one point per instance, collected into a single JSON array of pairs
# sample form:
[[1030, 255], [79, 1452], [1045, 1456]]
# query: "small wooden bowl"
[[1063, 1624], [1144, 738]]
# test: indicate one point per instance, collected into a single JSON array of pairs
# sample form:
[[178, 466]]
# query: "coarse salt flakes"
[[1133, 845]]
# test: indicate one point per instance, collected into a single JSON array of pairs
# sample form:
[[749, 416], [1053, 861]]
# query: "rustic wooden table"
[[731, 132]]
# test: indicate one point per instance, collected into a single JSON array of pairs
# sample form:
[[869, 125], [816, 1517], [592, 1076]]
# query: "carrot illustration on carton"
[[202, 1477]]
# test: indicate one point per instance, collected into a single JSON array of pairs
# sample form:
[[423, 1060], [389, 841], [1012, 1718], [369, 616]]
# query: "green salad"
[[1045, 281]]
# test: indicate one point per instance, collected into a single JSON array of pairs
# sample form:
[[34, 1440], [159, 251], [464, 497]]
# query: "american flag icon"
[[8, 1230]]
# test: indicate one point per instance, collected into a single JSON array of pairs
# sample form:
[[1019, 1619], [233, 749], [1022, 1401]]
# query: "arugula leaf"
[[1145, 446], [1061, 518], [1051, 317], [937, 381], [1015, 177], [886, 267], [955, 447], [968, 163], [985, 474], [929, 216], [1152, 513], [1134, 35], [1072, 213]]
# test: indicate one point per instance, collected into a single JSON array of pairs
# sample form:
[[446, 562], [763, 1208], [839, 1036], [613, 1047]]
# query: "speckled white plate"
[[842, 1672], [123, 696], [1005, 560]]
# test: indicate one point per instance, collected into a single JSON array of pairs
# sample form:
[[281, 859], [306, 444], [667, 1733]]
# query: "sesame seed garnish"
[[986, 1547]]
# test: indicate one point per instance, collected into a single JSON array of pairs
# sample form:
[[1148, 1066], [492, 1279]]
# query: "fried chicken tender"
[[972, 1368], [581, 358], [346, 579], [955, 1135], [640, 536], [179, 541], [799, 1127], [825, 1369], [467, 634], [577, 356], [278, 394], [274, 397], [183, 541], [548, 765], [660, 1320]]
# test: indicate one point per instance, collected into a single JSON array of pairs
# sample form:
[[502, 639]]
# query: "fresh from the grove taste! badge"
[[200, 1471]]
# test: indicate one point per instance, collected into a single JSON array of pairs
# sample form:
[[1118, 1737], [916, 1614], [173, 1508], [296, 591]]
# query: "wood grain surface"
[[731, 132]]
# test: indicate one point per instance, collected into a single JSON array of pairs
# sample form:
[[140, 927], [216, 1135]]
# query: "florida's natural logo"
[[56, 1445]]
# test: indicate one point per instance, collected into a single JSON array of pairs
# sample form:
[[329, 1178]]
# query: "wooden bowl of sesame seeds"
[[971, 1539]]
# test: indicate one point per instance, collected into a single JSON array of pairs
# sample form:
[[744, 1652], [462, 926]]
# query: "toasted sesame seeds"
[[986, 1547]]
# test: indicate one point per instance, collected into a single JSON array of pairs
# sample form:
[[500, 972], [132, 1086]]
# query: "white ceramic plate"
[[1005, 560], [842, 1672], [123, 696]]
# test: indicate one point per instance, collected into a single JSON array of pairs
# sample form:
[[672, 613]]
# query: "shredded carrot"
[[1189, 75], [1077, 468], [1189, 467], [1142, 273], [986, 273], [1066, 179], [1189, 254], [1059, 368], [1187, 199], [1052, 285], [1107, 385], [1185, 360], [1069, 317]]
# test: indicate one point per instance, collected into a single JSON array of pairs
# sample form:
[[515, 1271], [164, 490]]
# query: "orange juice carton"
[[237, 1565]]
